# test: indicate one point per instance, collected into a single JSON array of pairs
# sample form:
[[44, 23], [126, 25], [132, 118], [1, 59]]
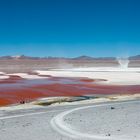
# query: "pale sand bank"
[[62, 101], [27, 76], [113, 77]]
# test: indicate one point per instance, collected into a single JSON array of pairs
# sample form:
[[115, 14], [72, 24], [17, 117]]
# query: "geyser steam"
[[124, 62]]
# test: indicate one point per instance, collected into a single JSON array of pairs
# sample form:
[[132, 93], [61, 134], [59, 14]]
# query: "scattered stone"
[[112, 108], [108, 135], [22, 102]]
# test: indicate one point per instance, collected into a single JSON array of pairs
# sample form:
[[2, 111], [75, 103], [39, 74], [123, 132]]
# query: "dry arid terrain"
[[26, 65], [67, 99]]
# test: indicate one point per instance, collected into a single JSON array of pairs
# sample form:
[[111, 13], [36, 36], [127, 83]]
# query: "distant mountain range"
[[83, 57], [137, 57]]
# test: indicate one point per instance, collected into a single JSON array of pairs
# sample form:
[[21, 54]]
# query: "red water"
[[16, 90]]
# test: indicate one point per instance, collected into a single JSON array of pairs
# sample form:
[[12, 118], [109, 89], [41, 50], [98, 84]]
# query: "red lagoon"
[[18, 90]]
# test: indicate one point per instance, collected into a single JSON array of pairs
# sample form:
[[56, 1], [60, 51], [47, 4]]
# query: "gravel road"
[[112, 120]]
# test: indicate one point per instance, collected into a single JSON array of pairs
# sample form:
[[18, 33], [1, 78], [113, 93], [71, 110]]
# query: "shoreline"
[[64, 101]]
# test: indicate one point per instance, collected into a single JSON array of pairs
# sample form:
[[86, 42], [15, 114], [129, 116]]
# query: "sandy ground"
[[17, 65], [114, 121], [118, 121]]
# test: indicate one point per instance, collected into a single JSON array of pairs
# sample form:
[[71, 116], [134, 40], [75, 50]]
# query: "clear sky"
[[70, 27]]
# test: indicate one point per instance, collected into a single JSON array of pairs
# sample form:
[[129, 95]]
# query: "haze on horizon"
[[70, 28]]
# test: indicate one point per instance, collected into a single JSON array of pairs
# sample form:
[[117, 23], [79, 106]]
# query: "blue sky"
[[70, 27]]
